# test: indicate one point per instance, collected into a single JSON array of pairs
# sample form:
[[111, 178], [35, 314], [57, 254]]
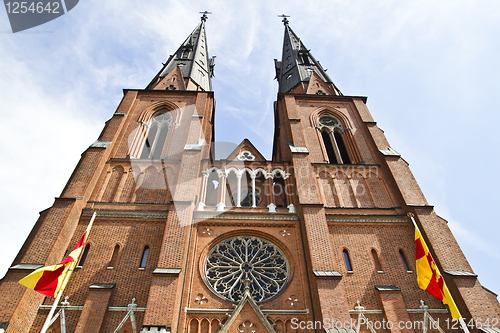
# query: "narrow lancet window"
[[114, 257], [376, 261], [144, 257], [342, 148], [331, 133], [332, 159], [84, 255], [403, 258], [347, 261], [157, 135]]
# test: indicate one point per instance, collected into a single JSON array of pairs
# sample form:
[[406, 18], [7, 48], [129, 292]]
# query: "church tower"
[[354, 195], [311, 241]]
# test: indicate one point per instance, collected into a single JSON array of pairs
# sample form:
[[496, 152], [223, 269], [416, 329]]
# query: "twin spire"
[[190, 68]]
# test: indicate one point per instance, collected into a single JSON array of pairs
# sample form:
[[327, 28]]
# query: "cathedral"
[[318, 239]]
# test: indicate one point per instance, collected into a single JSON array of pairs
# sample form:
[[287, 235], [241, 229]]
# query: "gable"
[[172, 81], [247, 317], [246, 152], [318, 86]]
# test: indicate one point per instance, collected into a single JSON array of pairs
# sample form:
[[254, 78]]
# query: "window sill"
[[380, 272], [410, 272], [109, 267], [141, 268], [350, 272]]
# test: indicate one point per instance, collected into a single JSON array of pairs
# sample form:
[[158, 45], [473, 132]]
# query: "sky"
[[429, 69]]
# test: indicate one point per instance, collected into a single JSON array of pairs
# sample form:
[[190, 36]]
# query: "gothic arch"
[[378, 190], [170, 179], [193, 325], [330, 198], [128, 188], [343, 190], [361, 190], [147, 114], [336, 141], [110, 193], [141, 136], [205, 325], [344, 121]]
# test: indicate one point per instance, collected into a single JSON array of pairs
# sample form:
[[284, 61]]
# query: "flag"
[[50, 280], [428, 276]]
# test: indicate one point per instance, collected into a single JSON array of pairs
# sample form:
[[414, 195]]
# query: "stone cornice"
[[366, 218], [275, 224], [208, 215], [122, 213], [264, 311]]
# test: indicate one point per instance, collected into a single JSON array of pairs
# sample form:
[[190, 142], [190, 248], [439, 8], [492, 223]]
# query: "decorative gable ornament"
[[246, 156]]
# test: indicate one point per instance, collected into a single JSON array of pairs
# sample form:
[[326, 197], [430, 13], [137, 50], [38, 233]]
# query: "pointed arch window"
[[403, 258], [331, 133], [114, 257], [144, 257], [330, 151], [156, 138], [84, 255], [376, 261], [347, 260]]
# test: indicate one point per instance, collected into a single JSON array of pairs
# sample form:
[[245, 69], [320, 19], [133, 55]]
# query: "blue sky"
[[429, 68]]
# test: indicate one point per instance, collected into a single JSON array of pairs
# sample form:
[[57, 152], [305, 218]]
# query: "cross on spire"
[[205, 17], [285, 20]]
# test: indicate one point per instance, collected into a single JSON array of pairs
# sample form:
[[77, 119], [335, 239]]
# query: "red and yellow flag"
[[50, 280], [428, 276]]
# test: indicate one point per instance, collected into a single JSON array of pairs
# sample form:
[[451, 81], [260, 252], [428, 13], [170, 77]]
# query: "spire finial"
[[204, 17], [285, 20]]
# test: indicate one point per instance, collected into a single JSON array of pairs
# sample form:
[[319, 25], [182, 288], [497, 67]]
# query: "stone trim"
[[69, 198], [327, 274], [102, 286], [427, 310], [490, 329], [27, 266], [274, 224], [100, 144], [226, 311], [162, 270], [461, 273], [195, 146], [119, 213], [155, 329], [206, 215], [339, 330], [294, 149], [387, 288], [367, 218], [389, 152], [80, 308], [365, 311]]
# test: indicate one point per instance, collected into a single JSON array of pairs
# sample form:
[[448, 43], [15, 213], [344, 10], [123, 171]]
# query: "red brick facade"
[[311, 210]]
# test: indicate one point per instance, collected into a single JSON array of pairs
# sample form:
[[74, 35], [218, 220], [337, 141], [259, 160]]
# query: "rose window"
[[246, 258]]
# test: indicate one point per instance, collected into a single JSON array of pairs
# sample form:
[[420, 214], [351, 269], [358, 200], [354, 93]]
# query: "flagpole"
[[65, 281], [54, 306], [461, 319]]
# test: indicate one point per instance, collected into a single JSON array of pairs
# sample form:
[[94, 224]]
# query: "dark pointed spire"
[[192, 59], [298, 65]]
